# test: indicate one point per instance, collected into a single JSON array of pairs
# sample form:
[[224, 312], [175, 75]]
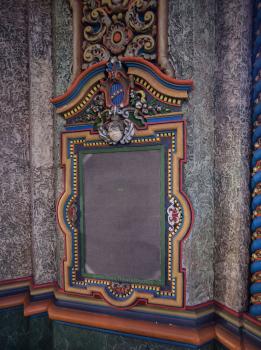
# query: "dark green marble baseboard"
[[39, 333], [23, 333]]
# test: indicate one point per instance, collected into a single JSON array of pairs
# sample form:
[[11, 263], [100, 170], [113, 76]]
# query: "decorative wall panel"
[[124, 109], [209, 41]]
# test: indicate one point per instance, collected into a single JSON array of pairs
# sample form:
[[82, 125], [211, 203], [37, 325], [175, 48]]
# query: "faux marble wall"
[[232, 152], [210, 42], [192, 50], [41, 145], [15, 196], [27, 207]]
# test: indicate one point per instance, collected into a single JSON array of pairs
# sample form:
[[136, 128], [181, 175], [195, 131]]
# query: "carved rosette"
[[118, 27]]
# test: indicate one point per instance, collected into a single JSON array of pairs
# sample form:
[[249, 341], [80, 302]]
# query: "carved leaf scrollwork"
[[115, 5], [139, 18], [118, 28], [142, 45], [95, 53], [97, 23]]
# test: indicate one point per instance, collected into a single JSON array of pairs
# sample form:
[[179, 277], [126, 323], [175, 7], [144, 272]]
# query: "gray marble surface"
[[210, 43], [232, 152], [15, 204], [42, 141], [192, 51]]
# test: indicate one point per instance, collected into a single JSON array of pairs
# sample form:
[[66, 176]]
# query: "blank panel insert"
[[122, 214]]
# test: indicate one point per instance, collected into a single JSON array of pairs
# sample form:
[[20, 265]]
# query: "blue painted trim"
[[155, 75], [256, 223], [79, 86], [255, 288], [257, 133], [9, 292], [256, 202], [255, 266], [257, 112], [164, 119], [257, 67], [256, 179], [44, 296], [255, 310], [257, 89], [79, 127], [256, 245]]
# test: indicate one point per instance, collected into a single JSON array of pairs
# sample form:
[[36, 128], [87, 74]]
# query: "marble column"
[[42, 142], [232, 152]]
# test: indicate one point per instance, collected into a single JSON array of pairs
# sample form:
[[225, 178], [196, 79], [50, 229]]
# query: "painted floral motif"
[[72, 213], [120, 288], [174, 214]]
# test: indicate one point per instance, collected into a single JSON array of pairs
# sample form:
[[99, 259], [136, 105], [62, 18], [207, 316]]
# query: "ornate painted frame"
[[163, 128]]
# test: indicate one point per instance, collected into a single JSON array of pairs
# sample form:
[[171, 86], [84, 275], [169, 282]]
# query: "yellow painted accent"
[[80, 96], [157, 85]]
